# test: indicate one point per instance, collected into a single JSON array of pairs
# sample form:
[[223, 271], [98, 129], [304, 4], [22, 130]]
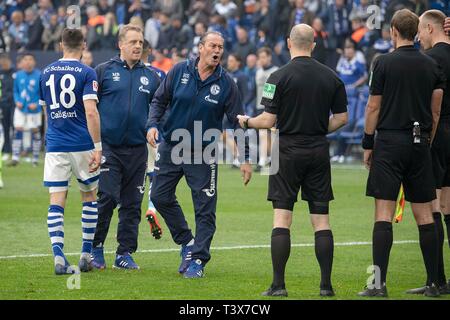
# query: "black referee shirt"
[[441, 54], [406, 79], [302, 93]]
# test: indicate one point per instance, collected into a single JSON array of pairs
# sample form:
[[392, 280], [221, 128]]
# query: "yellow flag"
[[400, 205]]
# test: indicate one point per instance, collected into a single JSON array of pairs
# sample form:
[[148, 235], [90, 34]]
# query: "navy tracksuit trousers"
[[121, 183], [202, 180]]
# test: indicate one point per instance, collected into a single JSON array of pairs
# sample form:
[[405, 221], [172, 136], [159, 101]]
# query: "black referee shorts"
[[305, 164], [396, 160], [440, 154]]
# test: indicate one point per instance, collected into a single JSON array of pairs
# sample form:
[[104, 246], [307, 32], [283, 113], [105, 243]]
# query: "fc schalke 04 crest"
[[144, 81], [215, 89]]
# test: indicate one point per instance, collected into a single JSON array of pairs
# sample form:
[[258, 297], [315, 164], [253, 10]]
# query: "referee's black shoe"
[[275, 292], [327, 292], [443, 289], [431, 291], [374, 292]]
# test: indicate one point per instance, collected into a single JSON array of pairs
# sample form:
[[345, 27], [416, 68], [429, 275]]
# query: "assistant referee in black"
[[403, 107], [437, 45], [299, 98]]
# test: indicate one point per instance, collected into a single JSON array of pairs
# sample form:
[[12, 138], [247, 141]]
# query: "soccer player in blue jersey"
[[68, 90], [28, 113]]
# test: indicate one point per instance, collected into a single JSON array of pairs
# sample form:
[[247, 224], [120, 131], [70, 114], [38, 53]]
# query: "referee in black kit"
[[403, 107], [437, 45], [299, 98]]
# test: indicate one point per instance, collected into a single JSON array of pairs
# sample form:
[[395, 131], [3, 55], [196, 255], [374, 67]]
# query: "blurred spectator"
[[263, 20], [109, 32], [35, 29], [87, 58], [360, 9], [320, 51], [359, 33], [280, 54], [384, 44], [182, 36], [135, 10], [351, 71], [2, 43], [51, 36], [243, 47], [234, 64], [103, 7], [265, 69], [262, 40], [283, 14], [177, 57], [121, 11], [200, 30], [314, 6], [219, 23], [300, 14], [161, 61], [7, 105], [151, 30], [62, 15], [45, 11], [250, 72], [172, 7], [18, 32], [166, 32], [226, 8], [94, 18], [199, 11], [337, 20]]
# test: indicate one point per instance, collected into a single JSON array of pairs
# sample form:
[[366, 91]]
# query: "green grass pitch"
[[244, 218]]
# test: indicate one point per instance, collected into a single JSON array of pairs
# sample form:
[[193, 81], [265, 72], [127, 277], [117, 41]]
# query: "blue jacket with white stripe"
[[124, 100], [187, 98]]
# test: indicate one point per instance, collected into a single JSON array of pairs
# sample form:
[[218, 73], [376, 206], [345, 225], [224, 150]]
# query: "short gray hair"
[[203, 37]]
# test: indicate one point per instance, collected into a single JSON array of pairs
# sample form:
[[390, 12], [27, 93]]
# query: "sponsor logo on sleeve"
[[269, 91]]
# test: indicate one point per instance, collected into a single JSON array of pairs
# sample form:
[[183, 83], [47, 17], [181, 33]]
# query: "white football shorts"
[[27, 121], [59, 166]]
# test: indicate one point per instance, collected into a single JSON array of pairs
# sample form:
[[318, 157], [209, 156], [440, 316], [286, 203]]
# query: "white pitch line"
[[300, 245]]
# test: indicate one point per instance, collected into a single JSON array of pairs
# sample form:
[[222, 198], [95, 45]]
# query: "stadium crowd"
[[344, 36]]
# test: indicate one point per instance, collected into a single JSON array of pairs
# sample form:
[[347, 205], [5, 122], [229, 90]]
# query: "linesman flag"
[[400, 205]]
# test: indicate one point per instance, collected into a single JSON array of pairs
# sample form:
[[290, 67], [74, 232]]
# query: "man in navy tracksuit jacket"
[[194, 92], [126, 88]]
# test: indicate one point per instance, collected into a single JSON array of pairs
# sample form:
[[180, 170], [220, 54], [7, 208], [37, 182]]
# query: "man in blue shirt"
[[28, 113], [68, 91], [196, 94], [126, 88]]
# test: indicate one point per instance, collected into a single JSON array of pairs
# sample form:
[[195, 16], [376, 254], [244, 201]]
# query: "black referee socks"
[[429, 244], [440, 239], [447, 222], [324, 247], [281, 249], [382, 238]]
